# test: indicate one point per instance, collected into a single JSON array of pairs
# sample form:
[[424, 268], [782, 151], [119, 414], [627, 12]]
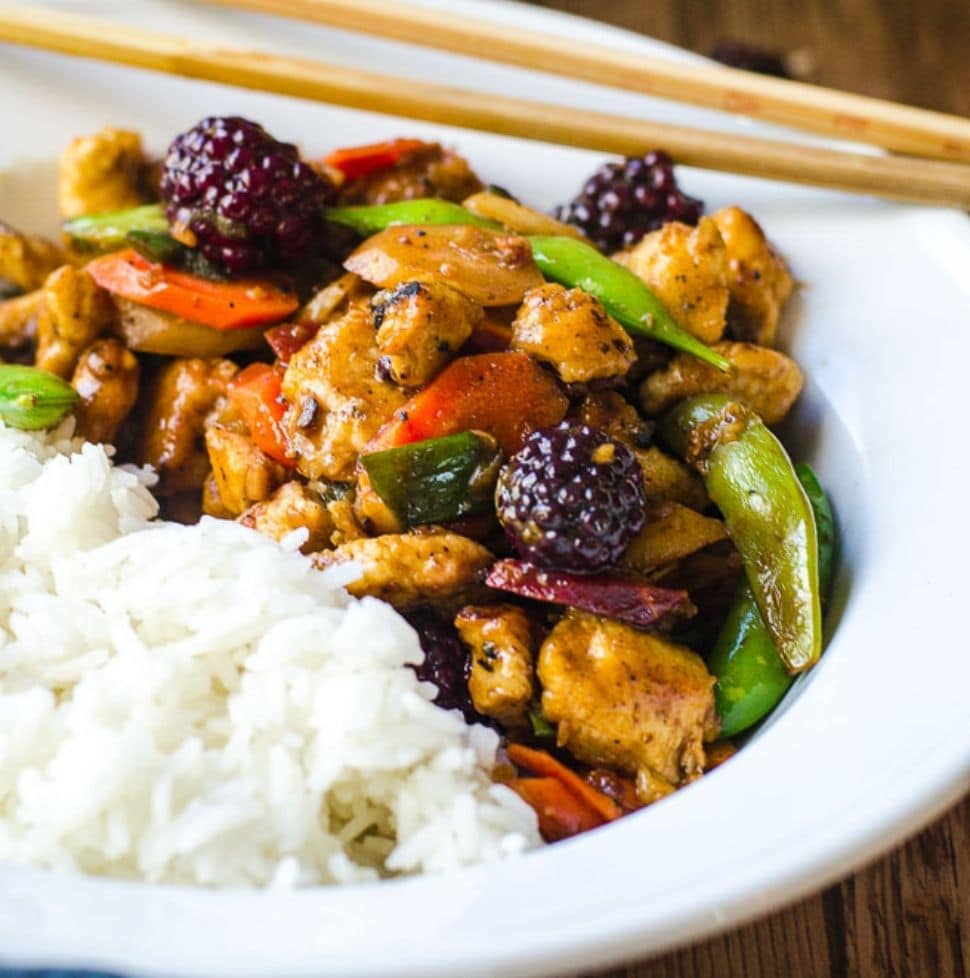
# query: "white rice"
[[199, 705]]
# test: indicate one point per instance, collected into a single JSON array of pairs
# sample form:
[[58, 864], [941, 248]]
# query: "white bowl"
[[866, 749]]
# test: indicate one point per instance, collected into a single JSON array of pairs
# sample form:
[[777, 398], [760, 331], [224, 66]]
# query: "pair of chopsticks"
[[944, 179]]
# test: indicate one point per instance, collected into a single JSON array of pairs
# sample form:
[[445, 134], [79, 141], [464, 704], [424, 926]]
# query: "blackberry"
[[248, 199], [621, 202], [447, 663], [572, 498]]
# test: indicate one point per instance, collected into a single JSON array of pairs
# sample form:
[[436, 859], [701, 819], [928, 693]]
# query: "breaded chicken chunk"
[[627, 699], [686, 269], [570, 330]]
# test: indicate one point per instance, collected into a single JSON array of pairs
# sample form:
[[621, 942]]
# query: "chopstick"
[[918, 132], [912, 180]]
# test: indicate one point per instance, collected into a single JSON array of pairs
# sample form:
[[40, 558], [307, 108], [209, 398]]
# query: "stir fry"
[[545, 440]]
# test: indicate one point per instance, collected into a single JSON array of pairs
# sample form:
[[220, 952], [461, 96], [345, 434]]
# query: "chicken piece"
[[501, 681], [106, 377], [420, 328], [346, 526], [626, 699], [182, 394], [76, 312], [686, 269], [337, 402], [408, 569], [570, 329], [758, 278], [666, 477], [26, 261], [429, 170], [371, 511], [765, 380], [671, 532], [293, 506], [618, 417], [333, 298], [490, 267], [244, 475], [212, 504], [19, 319], [101, 173]]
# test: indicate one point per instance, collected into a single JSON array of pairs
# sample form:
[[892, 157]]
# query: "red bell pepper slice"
[[355, 162], [255, 393], [507, 395], [221, 305], [604, 594]]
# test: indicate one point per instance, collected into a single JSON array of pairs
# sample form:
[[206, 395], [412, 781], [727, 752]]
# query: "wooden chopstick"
[[918, 132], [922, 181]]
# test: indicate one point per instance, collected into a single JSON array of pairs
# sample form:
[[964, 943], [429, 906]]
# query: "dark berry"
[[447, 663], [621, 202], [247, 198], [572, 498], [738, 55]]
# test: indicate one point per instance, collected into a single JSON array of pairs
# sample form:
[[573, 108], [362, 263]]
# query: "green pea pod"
[[31, 399], [626, 297], [749, 476], [751, 679], [436, 480], [367, 220], [156, 246], [108, 232], [828, 543]]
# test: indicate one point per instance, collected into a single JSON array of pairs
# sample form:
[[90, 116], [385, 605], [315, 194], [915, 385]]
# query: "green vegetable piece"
[[541, 727], [31, 399], [156, 246], [751, 679], [828, 538], [436, 480], [751, 479], [626, 297], [368, 220], [108, 232]]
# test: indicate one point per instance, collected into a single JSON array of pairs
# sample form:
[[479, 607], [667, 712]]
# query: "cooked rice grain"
[[199, 705]]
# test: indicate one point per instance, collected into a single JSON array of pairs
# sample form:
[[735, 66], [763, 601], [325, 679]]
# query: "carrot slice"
[[221, 305], [506, 394], [545, 765], [358, 161], [255, 393], [561, 814]]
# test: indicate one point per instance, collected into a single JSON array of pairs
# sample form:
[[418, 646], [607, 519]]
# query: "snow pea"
[[107, 232], [369, 219], [625, 296], [31, 398], [436, 480], [751, 679], [750, 478]]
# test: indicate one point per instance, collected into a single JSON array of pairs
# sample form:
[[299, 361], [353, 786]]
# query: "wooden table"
[[907, 915]]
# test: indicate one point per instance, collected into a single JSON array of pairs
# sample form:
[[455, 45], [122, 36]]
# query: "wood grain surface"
[[907, 915]]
